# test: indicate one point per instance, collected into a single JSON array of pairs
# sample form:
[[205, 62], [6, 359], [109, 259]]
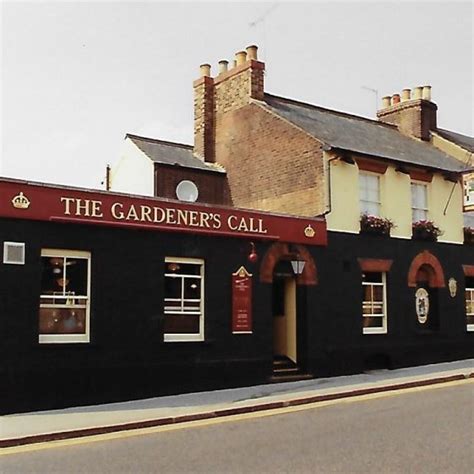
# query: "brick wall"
[[203, 118], [270, 164], [413, 118]]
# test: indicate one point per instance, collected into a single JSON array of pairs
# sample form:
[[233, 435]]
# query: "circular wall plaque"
[[187, 191]]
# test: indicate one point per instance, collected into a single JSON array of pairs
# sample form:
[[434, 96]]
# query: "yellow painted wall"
[[452, 149], [452, 222], [395, 194], [344, 215]]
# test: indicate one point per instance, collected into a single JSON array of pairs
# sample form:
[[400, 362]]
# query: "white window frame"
[[69, 338], [417, 208], [383, 328], [469, 292], [187, 337], [362, 176]]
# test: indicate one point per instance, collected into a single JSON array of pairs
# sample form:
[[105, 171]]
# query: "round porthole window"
[[187, 191]]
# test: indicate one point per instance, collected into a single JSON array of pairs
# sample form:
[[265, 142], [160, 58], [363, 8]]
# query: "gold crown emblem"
[[21, 201], [309, 231]]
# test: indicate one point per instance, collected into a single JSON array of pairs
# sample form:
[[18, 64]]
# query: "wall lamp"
[[298, 266], [253, 256]]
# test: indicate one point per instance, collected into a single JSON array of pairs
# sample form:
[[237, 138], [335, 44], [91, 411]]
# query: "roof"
[[361, 135], [170, 153], [461, 140]]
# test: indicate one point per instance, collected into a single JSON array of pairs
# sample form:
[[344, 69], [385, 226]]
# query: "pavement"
[[52, 425]]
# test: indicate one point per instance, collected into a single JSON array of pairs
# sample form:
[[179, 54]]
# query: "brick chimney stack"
[[414, 114], [230, 90]]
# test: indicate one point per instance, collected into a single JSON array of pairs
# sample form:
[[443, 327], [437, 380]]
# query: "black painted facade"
[[127, 357]]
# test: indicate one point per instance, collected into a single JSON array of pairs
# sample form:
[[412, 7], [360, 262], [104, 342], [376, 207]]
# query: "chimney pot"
[[426, 93], [241, 57], [386, 101], [395, 99], [223, 66], [205, 70], [406, 94], [252, 52], [417, 92]]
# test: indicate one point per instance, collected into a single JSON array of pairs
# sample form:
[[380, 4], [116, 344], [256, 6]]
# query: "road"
[[426, 431]]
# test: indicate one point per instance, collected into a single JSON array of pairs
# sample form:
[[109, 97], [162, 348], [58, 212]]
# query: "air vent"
[[14, 253]]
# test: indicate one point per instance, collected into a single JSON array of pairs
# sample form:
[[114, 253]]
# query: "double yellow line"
[[224, 419]]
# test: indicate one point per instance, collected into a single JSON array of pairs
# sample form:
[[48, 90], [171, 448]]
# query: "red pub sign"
[[35, 201], [241, 302]]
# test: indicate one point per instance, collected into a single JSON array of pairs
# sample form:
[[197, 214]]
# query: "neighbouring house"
[[152, 167]]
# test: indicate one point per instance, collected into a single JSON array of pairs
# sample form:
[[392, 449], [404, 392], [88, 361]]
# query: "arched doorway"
[[289, 268], [426, 276]]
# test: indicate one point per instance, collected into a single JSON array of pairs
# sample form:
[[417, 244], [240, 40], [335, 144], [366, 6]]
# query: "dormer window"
[[419, 202], [369, 194]]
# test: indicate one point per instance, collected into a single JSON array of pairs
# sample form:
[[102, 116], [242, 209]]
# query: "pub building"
[[164, 284], [108, 296]]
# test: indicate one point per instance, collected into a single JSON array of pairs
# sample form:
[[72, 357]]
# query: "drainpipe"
[[329, 206]]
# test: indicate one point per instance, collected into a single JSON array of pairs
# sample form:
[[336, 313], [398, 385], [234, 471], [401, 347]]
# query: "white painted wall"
[[133, 173]]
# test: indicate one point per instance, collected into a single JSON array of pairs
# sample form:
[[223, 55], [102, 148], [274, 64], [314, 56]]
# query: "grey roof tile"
[[463, 141], [169, 153], [361, 135]]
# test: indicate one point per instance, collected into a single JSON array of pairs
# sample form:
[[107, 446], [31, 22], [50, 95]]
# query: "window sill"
[[366, 331], [183, 338], [49, 339]]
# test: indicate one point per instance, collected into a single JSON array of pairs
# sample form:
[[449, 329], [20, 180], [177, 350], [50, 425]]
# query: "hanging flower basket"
[[469, 235], [426, 230], [375, 225]]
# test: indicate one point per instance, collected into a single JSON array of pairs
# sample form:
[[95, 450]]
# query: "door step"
[[276, 378], [285, 370]]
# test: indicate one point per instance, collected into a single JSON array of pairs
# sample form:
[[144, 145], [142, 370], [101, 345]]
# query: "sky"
[[77, 76]]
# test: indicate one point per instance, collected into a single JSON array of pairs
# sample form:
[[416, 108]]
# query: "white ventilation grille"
[[14, 253]]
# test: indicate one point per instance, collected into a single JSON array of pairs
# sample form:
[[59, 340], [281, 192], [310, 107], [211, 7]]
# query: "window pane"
[[373, 322], [64, 276], [52, 274], [420, 215], [181, 324], [62, 321], [367, 293], [192, 288], [173, 287], [378, 293], [76, 276], [373, 277]]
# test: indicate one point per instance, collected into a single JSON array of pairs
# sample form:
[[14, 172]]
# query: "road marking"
[[224, 419]]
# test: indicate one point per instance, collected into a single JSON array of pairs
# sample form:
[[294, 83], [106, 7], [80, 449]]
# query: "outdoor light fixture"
[[253, 257], [298, 266]]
